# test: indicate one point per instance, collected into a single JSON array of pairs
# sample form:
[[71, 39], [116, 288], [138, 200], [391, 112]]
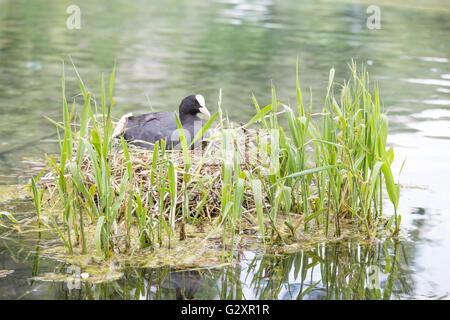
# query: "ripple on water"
[[433, 114], [433, 82]]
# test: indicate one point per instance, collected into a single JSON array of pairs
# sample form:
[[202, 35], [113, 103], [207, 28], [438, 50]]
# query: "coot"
[[145, 130]]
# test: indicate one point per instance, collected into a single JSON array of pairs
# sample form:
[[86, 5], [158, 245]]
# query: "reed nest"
[[199, 190]]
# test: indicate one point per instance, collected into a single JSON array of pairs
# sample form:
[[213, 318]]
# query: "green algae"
[[14, 193]]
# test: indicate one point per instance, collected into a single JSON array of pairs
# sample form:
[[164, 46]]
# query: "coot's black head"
[[193, 105]]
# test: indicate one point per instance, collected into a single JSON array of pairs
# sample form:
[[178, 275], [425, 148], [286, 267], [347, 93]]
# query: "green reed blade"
[[205, 128], [98, 232]]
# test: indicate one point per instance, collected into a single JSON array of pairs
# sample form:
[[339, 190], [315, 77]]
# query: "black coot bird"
[[145, 130]]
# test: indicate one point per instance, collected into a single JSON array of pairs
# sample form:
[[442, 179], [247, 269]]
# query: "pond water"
[[166, 50]]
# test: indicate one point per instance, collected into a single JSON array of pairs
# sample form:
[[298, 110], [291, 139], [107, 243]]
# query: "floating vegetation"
[[340, 270], [320, 177], [75, 279], [14, 192], [4, 273]]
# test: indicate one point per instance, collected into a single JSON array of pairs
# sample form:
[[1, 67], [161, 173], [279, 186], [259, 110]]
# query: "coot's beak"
[[205, 112]]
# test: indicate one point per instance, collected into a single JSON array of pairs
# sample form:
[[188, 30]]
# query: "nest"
[[199, 190]]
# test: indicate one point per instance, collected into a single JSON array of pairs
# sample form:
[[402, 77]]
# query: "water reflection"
[[342, 270], [239, 11]]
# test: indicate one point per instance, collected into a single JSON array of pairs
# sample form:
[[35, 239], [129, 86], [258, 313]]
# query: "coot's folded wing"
[[145, 127], [152, 127]]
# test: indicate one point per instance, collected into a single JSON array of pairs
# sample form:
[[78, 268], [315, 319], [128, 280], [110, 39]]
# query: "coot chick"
[[145, 130]]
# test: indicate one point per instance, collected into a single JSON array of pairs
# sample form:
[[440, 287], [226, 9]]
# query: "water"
[[167, 51]]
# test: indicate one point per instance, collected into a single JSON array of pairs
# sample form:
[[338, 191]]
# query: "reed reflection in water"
[[341, 270]]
